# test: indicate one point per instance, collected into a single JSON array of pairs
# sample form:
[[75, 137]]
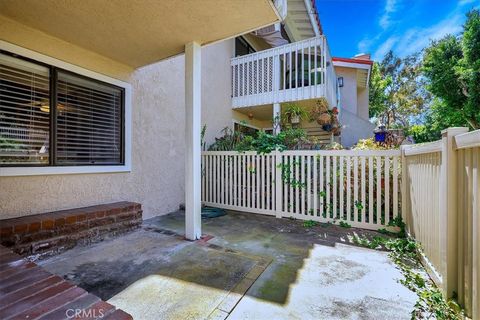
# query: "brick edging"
[[53, 232]]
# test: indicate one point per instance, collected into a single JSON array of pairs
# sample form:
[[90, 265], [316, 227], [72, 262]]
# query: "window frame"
[[54, 66]]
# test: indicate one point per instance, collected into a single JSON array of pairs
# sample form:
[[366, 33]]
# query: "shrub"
[[368, 144]]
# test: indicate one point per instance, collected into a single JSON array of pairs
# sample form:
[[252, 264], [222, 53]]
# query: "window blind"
[[24, 112], [89, 121]]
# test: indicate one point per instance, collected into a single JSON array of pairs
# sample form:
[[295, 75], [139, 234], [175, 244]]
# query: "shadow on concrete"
[[241, 241]]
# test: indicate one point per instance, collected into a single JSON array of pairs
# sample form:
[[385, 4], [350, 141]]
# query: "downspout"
[[311, 14]]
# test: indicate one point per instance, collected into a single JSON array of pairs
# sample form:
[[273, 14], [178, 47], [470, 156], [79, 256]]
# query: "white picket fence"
[[358, 187]]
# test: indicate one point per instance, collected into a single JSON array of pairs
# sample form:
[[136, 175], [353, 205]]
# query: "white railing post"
[[448, 210], [278, 184]]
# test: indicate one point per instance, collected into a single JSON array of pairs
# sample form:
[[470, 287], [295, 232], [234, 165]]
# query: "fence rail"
[[441, 196], [360, 188]]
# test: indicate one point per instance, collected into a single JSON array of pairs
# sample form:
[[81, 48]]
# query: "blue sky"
[[376, 26]]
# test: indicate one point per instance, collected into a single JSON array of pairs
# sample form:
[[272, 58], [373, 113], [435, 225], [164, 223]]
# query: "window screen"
[[24, 112]]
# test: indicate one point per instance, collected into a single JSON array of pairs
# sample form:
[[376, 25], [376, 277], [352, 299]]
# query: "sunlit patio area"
[[247, 266]]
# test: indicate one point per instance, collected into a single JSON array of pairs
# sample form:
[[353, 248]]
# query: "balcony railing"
[[297, 71]]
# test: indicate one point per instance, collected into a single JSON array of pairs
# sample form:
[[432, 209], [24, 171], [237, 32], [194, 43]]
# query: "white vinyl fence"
[[360, 188], [441, 197]]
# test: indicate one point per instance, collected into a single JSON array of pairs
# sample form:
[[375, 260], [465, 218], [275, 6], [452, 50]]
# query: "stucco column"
[[193, 82], [276, 118]]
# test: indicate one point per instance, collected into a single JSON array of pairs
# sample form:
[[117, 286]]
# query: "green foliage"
[[262, 143], [309, 223], [436, 118], [396, 91], [290, 138], [227, 142], [430, 303], [358, 205], [333, 146], [294, 110], [368, 144], [344, 224], [404, 252], [452, 67], [377, 91]]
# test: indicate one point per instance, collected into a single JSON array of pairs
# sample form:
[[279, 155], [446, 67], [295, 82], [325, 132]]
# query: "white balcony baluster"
[[297, 71]]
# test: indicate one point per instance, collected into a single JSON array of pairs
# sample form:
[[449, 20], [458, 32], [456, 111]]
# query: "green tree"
[[452, 69], [377, 88], [436, 118], [396, 90]]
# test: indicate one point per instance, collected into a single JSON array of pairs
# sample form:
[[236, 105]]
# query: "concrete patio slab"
[[341, 282], [157, 275], [251, 267]]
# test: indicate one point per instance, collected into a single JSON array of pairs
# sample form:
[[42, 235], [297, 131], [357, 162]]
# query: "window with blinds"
[[88, 121], [24, 112], [49, 116]]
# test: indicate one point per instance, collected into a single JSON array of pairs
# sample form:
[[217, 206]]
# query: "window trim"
[[79, 169]]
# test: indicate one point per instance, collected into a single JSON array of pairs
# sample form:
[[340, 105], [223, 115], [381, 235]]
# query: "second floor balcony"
[[297, 71]]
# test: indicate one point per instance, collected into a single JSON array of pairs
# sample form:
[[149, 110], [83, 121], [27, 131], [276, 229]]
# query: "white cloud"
[[391, 6], [364, 44], [384, 48], [409, 41], [416, 39]]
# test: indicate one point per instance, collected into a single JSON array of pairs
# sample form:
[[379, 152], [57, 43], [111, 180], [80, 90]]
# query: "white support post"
[[193, 82], [448, 209], [276, 118]]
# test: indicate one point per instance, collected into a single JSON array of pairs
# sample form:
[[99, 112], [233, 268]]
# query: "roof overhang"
[[363, 68], [138, 33], [302, 20]]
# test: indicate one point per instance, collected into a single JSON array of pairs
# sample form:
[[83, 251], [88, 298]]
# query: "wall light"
[[340, 81]]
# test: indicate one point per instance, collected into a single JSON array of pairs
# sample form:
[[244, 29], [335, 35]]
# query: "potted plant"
[[294, 113], [320, 112]]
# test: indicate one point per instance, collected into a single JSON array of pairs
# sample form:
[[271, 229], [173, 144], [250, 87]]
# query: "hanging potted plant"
[[294, 113]]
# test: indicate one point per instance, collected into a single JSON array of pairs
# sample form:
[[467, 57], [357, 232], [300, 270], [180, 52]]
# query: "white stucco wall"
[[362, 103], [354, 128], [158, 125], [157, 175], [349, 90], [216, 88]]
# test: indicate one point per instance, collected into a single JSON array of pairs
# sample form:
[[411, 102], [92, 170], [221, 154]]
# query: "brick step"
[[33, 293], [54, 232]]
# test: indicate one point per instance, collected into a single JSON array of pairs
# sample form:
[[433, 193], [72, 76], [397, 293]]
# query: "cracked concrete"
[[254, 267]]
